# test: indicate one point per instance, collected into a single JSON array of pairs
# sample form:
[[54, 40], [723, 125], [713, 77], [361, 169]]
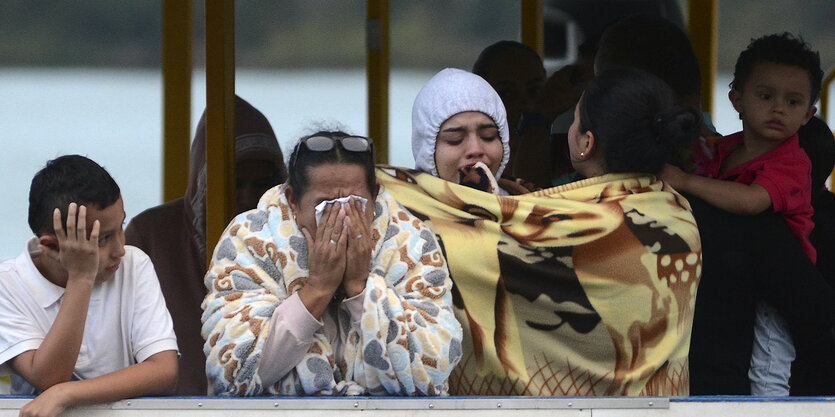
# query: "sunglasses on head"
[[326, 143]]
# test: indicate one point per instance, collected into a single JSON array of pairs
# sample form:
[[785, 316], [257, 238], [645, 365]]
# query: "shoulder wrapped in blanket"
[[584, 289]]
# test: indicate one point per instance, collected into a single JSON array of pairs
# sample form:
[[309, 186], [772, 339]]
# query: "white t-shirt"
[[127, 321]]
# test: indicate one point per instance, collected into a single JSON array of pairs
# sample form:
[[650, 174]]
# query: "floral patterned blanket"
[[406, 342]]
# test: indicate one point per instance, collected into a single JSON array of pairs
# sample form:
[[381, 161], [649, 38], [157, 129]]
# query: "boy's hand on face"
[[76, 253]]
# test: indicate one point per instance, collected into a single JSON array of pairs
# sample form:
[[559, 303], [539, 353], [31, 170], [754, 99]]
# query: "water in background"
[[114, 117]]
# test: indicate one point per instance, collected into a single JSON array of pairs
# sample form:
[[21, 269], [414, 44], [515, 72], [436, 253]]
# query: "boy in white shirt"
[[84, 318]]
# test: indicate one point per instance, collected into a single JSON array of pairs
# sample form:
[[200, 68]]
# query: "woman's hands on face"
[[326, 251], [359, 246]]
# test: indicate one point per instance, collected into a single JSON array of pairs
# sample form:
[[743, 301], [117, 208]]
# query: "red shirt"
[[785, 172]]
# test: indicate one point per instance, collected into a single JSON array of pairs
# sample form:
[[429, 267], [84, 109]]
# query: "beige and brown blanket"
[[584, 289]]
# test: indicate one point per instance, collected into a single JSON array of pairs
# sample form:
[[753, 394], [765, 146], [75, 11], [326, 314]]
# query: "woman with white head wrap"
[[458, 124]]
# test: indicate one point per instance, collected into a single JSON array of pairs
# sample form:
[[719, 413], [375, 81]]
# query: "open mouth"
[[477, 176]]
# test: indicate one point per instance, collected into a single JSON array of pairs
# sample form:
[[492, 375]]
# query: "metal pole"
[[377, 46], [220, 119], [176, 96], [824, 110], [704, 33], [827, 82], [533, 25]]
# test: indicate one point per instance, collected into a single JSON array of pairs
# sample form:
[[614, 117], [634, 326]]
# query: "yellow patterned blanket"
[[584, 289]]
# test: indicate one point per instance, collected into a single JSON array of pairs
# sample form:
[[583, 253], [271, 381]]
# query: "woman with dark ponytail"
[[626, 122]]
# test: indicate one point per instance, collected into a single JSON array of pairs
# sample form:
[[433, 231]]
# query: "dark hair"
[[783, 49], [302, 159], [485, 59], [634, 119], [817, 140], [67, 179], [655, 45]]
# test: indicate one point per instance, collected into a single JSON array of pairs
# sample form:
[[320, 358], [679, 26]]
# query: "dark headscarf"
[[254, 140]]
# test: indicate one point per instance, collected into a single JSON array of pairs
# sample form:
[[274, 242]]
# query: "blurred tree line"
[[282, 34], [320, 33]]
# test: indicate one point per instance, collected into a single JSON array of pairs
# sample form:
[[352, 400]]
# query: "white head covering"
[[448, 93]]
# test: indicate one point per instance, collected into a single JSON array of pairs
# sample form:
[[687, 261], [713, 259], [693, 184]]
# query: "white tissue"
[[320, 208]]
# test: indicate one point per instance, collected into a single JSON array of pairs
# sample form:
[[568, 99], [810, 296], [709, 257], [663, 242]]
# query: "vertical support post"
[[827, 82], [220, 119], [703, 27], [176, 96], [824, 111], [377, 61], [533, 25]]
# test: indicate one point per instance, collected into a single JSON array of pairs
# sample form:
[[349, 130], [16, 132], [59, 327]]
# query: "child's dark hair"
[[783, 49], [817, 140], [633, 117], [64, 180], [303, 159]]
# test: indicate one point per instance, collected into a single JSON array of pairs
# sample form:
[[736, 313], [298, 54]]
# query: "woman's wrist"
[[315, 299], [354, 288]]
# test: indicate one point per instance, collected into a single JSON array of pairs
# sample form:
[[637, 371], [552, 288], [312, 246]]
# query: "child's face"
[[111, 237], [774, 102]]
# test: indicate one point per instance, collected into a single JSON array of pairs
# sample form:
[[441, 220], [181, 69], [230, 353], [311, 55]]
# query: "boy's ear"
[[47, 245], [811, 112], [50, 241], [736, 100]]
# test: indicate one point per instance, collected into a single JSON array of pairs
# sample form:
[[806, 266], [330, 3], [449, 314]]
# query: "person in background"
[[658, 46], [813, 372], [777, 80], [329, 287], [83, 317], [173, 234], [515, 71], [532, 103], [816, 139]]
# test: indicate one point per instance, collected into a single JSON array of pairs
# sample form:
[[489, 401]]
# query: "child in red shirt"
[[776, 83]]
